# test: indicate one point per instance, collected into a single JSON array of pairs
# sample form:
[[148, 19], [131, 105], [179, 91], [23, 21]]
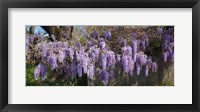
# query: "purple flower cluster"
[[96, 59], [95, 34], [111, 59], [55, 53], [168, 46], [154, 67], [107, 59], [103, 76], [40, 72], [134, 56], [29, 41], [127, 61], [107, 35], [91, 71]]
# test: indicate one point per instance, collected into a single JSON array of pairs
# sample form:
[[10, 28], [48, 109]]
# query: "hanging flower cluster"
[[96, 60]]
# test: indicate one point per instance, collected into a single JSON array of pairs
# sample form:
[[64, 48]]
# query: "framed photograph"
[[84, 55]]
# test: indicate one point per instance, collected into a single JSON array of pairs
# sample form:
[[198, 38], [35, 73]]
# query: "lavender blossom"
[[90, 44], [138, 69], [149, 62], [93, 56], [130, 66], [111, 74], [73, 70], [171, 53], [129, 51], [79, 69], [146, 70], [100, 74], [143, 43], [27, 45], [71, 54], [134, 46], [105, 77], [141, 58], [103, 61], [109, 35], [124, 50], [165, 55], [40, 71], [111, 59], [61, 57], [125, 64], [95, 34], [32, 38], [138, 45], [85, 64], [118, 57], [97, 52], [102, 45], [159, 31], [78, 45], [37, 72], [164, 46], [53, 61], [154, 67], [91, 71]]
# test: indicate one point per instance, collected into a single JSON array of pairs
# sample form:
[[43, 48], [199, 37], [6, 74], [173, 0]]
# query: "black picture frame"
[[6, 4]]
